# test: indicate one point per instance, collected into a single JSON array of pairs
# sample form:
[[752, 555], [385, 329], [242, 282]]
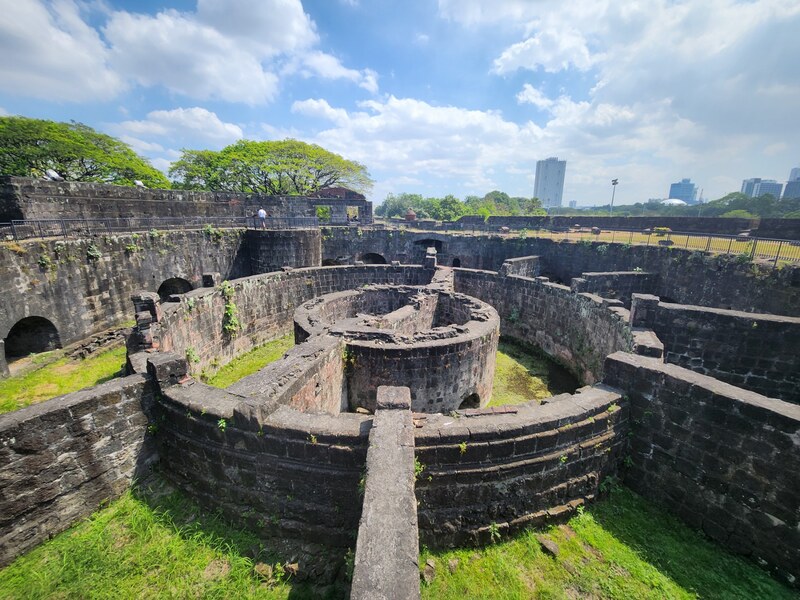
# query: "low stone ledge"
[[387, 550], [646, 343]]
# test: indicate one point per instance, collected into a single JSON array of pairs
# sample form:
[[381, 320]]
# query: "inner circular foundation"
[[441, 345]]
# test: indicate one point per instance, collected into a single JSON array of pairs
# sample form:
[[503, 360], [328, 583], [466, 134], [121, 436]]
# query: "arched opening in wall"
[[471, 401], [332, 262], [31, 335], [456, 262], [173, 285], [372, 258], [429, 243]]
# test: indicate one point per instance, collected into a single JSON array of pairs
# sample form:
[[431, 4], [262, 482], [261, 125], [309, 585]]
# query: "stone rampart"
[[26, 198], [62, 459], [684, 276], [754, 351], [85, 286], [722, 458], [577, 330], [511, 467], [779, 229]]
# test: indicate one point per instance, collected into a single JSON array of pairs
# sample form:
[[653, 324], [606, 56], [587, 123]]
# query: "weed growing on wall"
[[230, 319], [213, 233], [93, 253]]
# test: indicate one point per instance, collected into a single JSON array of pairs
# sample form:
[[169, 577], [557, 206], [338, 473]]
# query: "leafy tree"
[[29, 147], [287, 167]]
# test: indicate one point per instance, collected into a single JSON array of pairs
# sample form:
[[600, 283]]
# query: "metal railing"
[[75, 228], [743, 247]]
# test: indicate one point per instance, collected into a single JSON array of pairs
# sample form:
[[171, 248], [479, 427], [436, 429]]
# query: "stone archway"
[[174, 285], [373, 258], [31, 335]]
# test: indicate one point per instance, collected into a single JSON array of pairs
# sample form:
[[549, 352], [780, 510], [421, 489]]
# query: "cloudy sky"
[[434, 96]]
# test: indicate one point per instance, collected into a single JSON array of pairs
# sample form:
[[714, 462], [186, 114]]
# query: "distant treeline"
[[450, 208]]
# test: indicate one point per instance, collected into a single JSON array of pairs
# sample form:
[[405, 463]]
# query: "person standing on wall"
[[262, 217]]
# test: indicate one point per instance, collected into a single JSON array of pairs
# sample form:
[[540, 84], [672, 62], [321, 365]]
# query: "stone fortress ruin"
[[688, 364]]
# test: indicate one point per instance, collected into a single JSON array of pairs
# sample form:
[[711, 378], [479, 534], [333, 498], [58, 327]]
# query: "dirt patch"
[[217, 569]]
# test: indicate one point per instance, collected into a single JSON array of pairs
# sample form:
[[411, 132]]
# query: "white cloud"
[[531, 95], [550, 49], [265, 27], [3, 112], [50, 52], [329, 67], [320, 109], [193, 123], [187, 57]]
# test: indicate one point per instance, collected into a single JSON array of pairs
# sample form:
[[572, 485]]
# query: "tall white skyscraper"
[[549, 184]]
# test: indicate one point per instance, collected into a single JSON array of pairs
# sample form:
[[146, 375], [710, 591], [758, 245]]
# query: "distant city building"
[[794, 174], [792, 189], [684, 190], [549, 184], [768, 186], [573, 204], [748, 186], [674, 202]]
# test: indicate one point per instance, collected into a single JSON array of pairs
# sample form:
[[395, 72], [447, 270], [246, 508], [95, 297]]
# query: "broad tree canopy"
[[29, 147], [287, 167]]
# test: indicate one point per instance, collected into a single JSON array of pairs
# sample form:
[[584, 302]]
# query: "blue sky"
[[434, 97]]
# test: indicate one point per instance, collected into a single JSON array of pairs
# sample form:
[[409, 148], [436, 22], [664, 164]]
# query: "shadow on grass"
[[686, 556], [178, 513]]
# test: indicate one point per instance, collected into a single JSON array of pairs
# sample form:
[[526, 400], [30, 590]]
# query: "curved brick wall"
[[265, 306], [516, 468], [439, 344], [577, 330]]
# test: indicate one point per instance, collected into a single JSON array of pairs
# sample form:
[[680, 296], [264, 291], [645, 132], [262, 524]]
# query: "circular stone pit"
[[441, 345]]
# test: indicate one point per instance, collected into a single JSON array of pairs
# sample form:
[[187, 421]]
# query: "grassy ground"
[[251, 362], [142, 546], [54, 374], [622, 547], [522, 374], [161, 545]]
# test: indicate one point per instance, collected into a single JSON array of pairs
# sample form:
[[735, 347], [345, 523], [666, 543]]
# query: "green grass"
[[251, 362], [522, 374], [57, 377], [158, 544], [622, 547], [150, 547]]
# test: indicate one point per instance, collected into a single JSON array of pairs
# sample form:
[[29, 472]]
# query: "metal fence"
[[76, 228], [744, 247]]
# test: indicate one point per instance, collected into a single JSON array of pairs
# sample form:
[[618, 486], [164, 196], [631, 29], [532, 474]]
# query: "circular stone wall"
[[441, 345]]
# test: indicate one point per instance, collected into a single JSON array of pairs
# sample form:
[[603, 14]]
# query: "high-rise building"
[[573, 204], [768, 186], [792, 189], [794, 174], [748, 186], [549, 184], [684, 190]]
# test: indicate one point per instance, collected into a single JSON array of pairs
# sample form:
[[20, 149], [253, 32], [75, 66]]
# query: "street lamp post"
[[614, 183]]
